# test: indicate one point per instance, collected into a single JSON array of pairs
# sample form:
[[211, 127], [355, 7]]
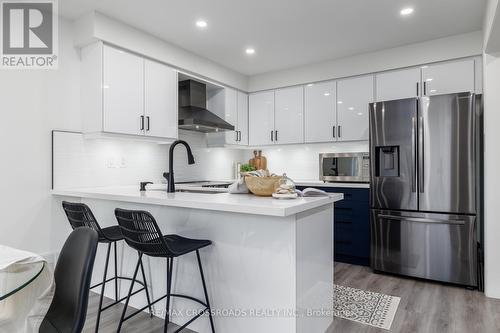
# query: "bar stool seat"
[[179, 245], [111, 234]]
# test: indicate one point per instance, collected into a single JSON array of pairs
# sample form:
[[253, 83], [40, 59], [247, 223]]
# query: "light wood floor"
[[425, 307]]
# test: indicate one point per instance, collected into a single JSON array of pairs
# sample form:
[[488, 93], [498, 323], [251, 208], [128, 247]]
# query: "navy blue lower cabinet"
[[351, 225]]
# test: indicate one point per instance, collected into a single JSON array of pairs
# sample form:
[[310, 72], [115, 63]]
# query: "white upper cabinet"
[[231, 115], [448, 77], [289, 115], [320, 113], [236, 113], [261, 118], [243, 118], [160, 100], [353, 97], [398, 84], [123, 92]]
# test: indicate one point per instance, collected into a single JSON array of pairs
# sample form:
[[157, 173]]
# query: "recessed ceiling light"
[[201, 24], [327, 94], [406, 11], [250, 50], [340, 102], [310, 84]]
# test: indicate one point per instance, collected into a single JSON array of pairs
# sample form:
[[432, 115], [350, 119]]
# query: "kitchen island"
[[270, 268]]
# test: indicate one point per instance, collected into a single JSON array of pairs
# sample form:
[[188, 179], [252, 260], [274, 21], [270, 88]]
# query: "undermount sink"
[[198, 191]]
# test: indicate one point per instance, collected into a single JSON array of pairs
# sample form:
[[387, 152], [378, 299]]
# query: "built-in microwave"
[[344, 167]]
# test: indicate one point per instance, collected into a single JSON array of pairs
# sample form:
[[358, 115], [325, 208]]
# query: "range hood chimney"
[[193, 113]]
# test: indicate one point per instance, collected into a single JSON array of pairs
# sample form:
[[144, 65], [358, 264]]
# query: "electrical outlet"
[[123, 162]]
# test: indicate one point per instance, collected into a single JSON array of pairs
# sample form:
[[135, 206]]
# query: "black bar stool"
[[141, 232], [80, 215]]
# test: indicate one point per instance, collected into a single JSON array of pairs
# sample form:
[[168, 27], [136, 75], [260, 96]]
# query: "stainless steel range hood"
[[193, 113]]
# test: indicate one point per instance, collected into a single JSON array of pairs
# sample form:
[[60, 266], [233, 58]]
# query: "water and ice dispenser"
[[387, 161]]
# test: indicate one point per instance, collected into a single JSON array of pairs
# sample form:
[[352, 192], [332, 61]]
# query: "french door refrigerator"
[[423, 187]]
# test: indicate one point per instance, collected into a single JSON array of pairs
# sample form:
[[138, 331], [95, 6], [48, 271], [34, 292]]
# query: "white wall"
[[491, 63], [458, 46], [492, 179], [33, 102], [96, 26]]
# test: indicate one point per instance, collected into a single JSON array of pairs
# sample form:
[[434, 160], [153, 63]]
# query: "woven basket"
[[262, 186]]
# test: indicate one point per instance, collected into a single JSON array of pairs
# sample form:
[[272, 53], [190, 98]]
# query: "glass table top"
[[17, 276]]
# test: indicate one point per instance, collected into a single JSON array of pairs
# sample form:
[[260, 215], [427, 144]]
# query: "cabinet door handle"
[[272, 137], [339, 132], [333, 131], [276, 135], [240, 136], [236, 132], [148, 123], [418, 94], [142, 123], [425, 88]]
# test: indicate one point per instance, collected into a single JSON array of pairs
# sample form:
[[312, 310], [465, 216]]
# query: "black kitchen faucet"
[[170, 174]]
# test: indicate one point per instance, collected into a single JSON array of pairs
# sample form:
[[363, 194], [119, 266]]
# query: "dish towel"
[[24, 310], [238, 186]]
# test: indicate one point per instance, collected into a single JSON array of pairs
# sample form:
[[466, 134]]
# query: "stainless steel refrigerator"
[[424, 187]]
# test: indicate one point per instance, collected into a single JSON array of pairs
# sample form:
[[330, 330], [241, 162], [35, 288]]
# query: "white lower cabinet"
[[261, 118], [353, 98], [289, 115], [320, 112], [126, 94]]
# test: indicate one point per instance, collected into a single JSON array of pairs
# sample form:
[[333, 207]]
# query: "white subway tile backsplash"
[[80, 162], [301, 162]]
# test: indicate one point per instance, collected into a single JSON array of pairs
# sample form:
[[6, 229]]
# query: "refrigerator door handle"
[[421, 219], [421, 154], [413, 154]]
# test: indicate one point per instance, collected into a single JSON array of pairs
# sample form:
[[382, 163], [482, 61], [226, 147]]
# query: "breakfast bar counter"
[[270, 268]]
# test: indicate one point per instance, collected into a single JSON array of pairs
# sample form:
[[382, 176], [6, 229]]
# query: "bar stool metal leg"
[[205, 291], [102, 288], [116, 274], [170, 267], [146, 289], [129, 292]]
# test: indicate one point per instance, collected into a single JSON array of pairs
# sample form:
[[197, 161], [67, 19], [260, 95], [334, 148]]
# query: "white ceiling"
[[287, 33]]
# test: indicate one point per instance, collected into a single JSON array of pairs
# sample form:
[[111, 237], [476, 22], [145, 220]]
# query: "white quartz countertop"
[[236, 203], [319, 183]]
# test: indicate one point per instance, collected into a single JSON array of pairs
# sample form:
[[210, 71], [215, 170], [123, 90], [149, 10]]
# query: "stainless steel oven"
[[344, 167]]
